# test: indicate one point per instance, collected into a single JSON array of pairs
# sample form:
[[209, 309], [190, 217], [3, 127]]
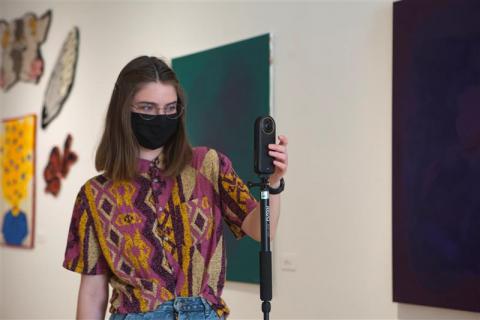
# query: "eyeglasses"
[[148, 111]]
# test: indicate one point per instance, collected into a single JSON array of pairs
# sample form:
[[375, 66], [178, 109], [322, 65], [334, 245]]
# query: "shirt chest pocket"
[[200, 220]]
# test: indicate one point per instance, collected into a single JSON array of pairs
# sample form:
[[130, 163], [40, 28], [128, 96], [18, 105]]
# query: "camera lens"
[[268, 126]]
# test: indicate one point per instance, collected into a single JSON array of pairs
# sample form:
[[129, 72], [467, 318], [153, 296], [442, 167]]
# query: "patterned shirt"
[[159, 237]]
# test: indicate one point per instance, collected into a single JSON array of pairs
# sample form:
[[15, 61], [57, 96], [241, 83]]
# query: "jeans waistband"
[[187, 304]]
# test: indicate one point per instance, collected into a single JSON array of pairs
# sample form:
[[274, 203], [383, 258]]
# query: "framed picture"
[[436, 153], [17, 173]]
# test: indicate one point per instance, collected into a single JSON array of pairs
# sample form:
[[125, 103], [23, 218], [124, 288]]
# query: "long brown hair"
[[118, 149]]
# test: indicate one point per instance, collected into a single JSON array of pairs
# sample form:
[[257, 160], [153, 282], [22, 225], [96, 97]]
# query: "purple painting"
[[436, 153]]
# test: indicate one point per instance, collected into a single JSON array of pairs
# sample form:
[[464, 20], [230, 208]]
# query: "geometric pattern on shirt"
[[237, 195], [201, 220], [135, 239], [237, 191], [210, 169]]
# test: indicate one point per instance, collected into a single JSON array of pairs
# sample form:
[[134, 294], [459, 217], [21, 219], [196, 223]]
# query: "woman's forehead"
[[156, 92]]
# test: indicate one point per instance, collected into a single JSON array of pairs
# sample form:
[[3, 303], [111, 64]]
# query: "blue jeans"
[[181, 308]]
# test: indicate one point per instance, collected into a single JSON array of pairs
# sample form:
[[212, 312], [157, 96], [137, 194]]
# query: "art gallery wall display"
[[58, 166], [227, 88], [21, 41], [62, 78], [17, 175], [436, 153]]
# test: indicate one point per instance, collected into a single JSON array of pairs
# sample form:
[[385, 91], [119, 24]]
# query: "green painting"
[[227, 88]]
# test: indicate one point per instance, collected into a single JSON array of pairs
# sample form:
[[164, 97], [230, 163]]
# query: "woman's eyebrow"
[[156, 104]]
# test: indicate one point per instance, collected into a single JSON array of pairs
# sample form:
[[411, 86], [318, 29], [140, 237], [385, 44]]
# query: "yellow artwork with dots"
[[17, 176]]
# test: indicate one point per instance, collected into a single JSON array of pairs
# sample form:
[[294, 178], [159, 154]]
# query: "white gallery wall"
[[332, 75]]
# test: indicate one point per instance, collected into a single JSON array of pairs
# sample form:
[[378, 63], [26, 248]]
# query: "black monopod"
[[264, 134]]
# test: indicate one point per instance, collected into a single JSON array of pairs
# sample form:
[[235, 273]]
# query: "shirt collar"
[[145, 165]]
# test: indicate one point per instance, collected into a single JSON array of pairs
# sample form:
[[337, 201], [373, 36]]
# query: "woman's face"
[[155, 94]]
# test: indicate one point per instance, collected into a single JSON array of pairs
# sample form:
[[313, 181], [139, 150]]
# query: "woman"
[[151, 224]]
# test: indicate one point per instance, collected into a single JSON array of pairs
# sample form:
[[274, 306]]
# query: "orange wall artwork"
[[17, 176]]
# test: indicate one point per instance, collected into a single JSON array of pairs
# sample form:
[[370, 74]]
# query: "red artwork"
[[58, 166]]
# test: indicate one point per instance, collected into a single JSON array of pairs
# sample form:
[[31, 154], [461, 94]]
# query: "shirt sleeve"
[[236, 200], [83, 254]]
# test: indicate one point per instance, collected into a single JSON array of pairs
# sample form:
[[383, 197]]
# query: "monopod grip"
[[265, 275]]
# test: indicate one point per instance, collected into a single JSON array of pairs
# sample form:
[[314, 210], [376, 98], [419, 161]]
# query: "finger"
[[283, 140], [277, 147], [280, 165], [278, 155]]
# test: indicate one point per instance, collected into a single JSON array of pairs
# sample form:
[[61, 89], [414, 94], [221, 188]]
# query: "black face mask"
[[154, 133]]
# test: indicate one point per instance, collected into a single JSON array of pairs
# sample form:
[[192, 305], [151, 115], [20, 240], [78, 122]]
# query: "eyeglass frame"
[[179, 110]]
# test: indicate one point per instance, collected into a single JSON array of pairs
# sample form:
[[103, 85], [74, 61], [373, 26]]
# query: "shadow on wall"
[[410, 311]]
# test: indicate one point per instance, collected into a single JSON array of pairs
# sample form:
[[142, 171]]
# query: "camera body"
[[264, 134]]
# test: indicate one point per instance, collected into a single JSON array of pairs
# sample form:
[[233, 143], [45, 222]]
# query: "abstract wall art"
[[17, 174], [227, 88], [21, 58], [61, 79], [58, 166], [436, 153]]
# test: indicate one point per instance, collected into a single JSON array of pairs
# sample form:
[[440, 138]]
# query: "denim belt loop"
[[188, 304], [178, 304], [207, 307], [174, 304]]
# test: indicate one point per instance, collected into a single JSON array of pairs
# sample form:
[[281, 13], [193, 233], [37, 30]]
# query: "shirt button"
[[155, 180]]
